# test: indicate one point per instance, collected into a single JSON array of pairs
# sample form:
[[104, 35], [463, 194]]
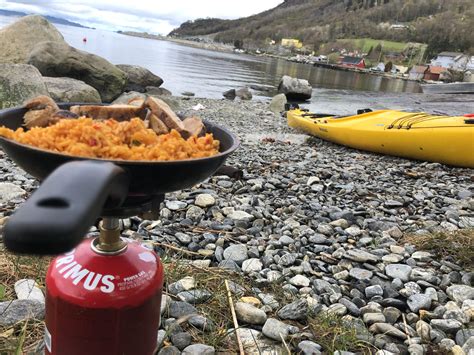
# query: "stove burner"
[[146, 205]]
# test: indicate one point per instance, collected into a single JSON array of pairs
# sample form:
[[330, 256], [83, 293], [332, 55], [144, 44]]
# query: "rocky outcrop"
[[139, 78], [242, 93], [71, 90], [294, 88], [18, 83], [61, 60], [18, 39]]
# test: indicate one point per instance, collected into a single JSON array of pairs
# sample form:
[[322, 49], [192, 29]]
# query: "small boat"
[[448, 88], [421, 136]]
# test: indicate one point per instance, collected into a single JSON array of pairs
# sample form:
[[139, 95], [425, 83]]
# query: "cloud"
[[142, 15]]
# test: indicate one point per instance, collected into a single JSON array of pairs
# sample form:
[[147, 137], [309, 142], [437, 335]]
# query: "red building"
[[352, 62], [434, 73]]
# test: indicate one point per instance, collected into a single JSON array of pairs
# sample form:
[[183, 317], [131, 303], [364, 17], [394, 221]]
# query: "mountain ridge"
[[52, 19], [442, 25]]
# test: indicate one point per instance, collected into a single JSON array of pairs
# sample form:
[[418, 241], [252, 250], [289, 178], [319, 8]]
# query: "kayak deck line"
[[409, 121], [404, 122]]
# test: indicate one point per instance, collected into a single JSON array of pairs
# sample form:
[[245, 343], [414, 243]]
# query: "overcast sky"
[[157, 16]]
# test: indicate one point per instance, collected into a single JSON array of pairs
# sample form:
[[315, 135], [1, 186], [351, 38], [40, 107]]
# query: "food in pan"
[[143, 130], [109, 139]]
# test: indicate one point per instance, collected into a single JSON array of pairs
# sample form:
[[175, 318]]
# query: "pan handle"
[[58, 215]]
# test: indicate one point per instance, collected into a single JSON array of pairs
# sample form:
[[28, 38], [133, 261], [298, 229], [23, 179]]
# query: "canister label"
[[71, 269]]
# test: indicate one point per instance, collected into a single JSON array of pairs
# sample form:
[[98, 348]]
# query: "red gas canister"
[[103, 303]]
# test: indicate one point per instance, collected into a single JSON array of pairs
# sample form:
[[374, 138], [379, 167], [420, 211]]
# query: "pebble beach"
[[331, 226]]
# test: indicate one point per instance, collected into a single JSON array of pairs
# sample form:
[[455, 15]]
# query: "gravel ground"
[[327, 223]]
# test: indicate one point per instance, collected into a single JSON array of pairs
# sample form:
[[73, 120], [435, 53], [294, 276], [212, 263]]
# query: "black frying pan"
[[76, 190]]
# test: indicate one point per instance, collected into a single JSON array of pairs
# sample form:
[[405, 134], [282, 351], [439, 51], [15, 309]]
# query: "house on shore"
[[291, 43], [417, 72], [352, 62], [434, 73], [451, 60]]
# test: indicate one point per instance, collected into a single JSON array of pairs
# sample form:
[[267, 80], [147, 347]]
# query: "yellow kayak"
[[443, 139]]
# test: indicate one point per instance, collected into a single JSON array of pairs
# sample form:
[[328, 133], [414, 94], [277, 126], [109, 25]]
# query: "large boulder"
[[71, 90], [154, 91], [18, 83], [277, 104], [243, 93], [18, 39], [294, 88], [139, 78], [229, 94], [59, 60]]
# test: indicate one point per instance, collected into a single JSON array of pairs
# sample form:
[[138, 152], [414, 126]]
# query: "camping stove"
[[104, 296]]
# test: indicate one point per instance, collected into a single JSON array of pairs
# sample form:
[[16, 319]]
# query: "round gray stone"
[[460, 293], [181, 339], [468, 346], [195, 213], [307, 347], [398, 271], [296, 310], [462, 335], [175, 205], [178, 309], [275, 329], [375, 290], [237, 253], [199, 349], [204, 200], [300, 281], [446, 325], [252, 265], [419, 301], [361, 274], [170, 350], [249, 314], [15, 311], [196, 296]]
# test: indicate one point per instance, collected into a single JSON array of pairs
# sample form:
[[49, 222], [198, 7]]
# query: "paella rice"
[[109, 139]]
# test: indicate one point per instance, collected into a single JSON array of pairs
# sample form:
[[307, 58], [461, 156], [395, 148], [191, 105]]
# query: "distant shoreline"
[[218, 47]]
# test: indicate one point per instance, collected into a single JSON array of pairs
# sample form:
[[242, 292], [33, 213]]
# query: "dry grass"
[[335, 333], [455, 246], [22, 337], [217, 308]]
